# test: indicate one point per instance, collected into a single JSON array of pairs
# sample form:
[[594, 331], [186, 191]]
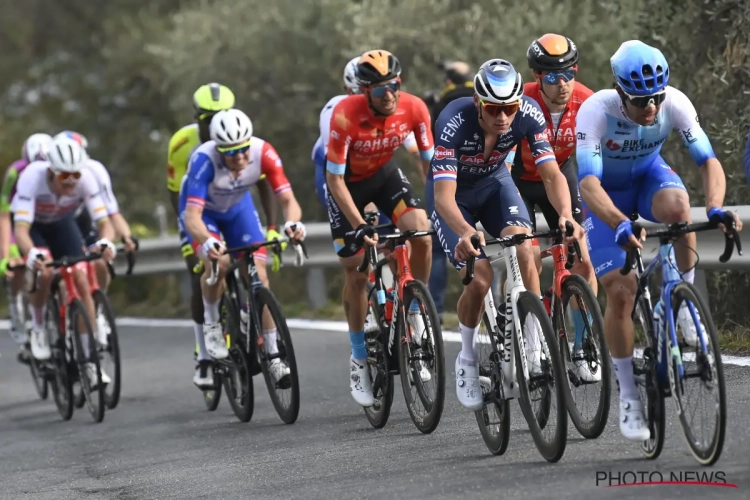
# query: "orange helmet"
[[377, 66], [552, 52]]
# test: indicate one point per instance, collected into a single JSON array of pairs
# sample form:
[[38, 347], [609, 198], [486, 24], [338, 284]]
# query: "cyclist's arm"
[[555, 183], [338, 148], [268, 202], [422, 130], [23, 237], [11, 176], [685, 119], [410, 145], [510, 158], [200, 174], [589, 124], [272, 167], [96, 206], [174, 200], [122, 228], [23, 207], [445, 172]]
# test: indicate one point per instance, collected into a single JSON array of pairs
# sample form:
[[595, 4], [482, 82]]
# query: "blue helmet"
[[640, 69]]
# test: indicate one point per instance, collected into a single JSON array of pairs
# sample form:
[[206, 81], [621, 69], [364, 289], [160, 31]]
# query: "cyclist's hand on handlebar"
[[578, 232], [129, 244], [365, 235], [107, 248], [36, 258], [465, 249], [212, 248], [626, 239], [295, 230], [721, 215]]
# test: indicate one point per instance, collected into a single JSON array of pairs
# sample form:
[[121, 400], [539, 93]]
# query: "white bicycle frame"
[[514, 287]]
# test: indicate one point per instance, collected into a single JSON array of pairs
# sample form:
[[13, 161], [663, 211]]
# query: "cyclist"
[[366, 129], [472, 183], [207, 101], [554, 62], [47, 194], [620, 133], [214, 200], [35, 148]]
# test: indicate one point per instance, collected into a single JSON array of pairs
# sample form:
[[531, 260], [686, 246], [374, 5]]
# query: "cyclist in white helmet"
[[47, 194], [215, 202]]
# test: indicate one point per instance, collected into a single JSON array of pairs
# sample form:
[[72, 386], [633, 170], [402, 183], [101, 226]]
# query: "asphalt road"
[[161, 442]]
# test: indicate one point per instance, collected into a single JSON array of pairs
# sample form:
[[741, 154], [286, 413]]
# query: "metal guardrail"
[[162, 255]]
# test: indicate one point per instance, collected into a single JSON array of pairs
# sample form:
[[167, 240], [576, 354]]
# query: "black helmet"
[[552, 52]]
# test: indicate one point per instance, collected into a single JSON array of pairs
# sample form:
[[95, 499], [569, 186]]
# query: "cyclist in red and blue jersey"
[[472, 184]]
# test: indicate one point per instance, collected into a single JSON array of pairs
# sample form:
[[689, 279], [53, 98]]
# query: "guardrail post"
[[160, 214], [186, 287], [702, 286], [317, 291]]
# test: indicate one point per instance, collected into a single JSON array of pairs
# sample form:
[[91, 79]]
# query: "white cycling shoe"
[[468, 388], [91, 374], [685, 320], [414, 319], [359, 383], [39, 344], [584, 371], [278, 369], [633, 424], [216, 346]]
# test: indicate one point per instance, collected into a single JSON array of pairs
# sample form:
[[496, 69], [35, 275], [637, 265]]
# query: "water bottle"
[[389, 304]]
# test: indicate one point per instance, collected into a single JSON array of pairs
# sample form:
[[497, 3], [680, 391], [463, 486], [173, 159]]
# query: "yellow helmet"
[[212, 98]]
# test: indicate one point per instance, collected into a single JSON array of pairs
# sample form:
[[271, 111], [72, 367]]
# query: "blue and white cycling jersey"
[[617, 151]]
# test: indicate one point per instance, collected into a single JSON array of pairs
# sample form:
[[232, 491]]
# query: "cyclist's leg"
[[320, 177], [90, 236], [439, 270], [38, 300], [533, 194], [607, 258], [14, 290], [355, 290], [584, 268], [192, 263]]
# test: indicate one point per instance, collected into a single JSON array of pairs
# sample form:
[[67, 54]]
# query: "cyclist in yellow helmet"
[[207, 101]]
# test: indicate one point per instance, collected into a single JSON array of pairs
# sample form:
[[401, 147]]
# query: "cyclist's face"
[[384, 97], [560, 92], [642, 116], [496, 119], [64, 184], [237, 162]]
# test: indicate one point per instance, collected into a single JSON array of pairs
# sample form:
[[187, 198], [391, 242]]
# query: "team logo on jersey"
[[478, 159], [541, 136], [442, 153], [529, 109], [613, 146]]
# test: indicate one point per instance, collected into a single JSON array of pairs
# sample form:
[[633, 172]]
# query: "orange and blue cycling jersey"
[[361, 142]]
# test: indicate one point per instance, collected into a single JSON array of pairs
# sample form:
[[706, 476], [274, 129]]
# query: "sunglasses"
[[64, 176], [643, 101], [379, 91], [234, 150], [495, 109], [553, 77]]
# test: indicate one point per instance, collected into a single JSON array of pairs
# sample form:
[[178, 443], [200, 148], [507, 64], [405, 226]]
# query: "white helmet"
[[66, 155], [36, 147], [79, 138], [498, 82], [230, 127], [350, 75]]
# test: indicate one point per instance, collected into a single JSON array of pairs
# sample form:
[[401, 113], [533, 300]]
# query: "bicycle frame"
[[66, 275]]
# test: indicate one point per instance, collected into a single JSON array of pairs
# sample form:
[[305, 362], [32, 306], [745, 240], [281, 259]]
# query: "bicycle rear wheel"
[[80, 325], [422, 360], [547, 387], [494, 417], [284, 392], [702, 370], [377, 361], [592, 358], [109, 355]]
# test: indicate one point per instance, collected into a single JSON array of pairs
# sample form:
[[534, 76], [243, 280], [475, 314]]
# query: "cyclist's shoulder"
[[675, 98], [34, 171], [331, 103], [581, 91], [186, 136], [603, 103], [533, 90], [461, 113], [411, 102], [530, 115]]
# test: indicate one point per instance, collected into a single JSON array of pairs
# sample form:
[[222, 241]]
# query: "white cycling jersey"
[[105, 188], [34, 200], [324, 124]]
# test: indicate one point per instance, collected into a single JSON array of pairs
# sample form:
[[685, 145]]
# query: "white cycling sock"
[[624, 372], [198, 331], [689, 276], [13, 308], [211, 311], [85, 344], [532, 334], [468, 352], [39, 316], [269, 339]]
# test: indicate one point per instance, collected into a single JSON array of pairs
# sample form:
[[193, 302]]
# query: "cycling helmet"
[[80, 139], [350, 75], [212, 98], [497, 82], [36, 147], [640, 69], [66, 155], [377, 66], [552, 52], [230, 128]]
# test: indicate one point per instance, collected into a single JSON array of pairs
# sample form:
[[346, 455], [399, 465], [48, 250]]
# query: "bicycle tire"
[[62, 390], [552, 450], [429, 422], [575, 285], [243, 404], [111, 397], [645, 366], [496, 444], [212, 397], [265, 297], [709, 456], [38, 378], [94, 397], [380, 411]]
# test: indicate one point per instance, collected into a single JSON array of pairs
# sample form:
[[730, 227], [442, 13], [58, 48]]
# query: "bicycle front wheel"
[[109, 354], [545, 384], [238, 382], [282, 380], [87, 360], [703, 372], [377, 362], [62, 390]]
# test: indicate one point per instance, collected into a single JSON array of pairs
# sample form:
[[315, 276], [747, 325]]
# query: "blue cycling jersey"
[[459, 142]]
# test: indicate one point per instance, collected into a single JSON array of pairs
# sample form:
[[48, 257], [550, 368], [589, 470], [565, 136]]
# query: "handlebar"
[[399, 237], [673, 231]]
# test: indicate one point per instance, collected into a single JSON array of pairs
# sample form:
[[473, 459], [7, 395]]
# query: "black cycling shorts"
[[88, 229], [391, 192], [534, 195]]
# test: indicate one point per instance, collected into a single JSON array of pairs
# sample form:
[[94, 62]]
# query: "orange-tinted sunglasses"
[[64, 176], [495, 109]]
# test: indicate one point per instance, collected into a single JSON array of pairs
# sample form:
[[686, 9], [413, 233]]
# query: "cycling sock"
[[85, 344], [531, 335], [211, 311], [13, 309], [414, 306], [357, 340], [625, 377], [689, 276], [269, 339], [200, 341], [39, 315], [468, 352], [580, 328]]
